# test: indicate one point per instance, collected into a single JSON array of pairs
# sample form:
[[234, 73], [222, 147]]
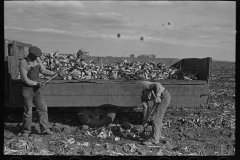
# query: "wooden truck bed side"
[[125, 94]]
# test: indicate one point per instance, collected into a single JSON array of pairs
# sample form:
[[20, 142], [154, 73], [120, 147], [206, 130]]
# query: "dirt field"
[[208, 130]]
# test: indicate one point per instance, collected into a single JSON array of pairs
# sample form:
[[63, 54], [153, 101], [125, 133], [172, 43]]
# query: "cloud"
[[75, 21], [160, 3], [208, 8], [45, 30], [109, 14], [16, 28], [136, 4], [99, 18], [86, 34], [50, 30], [42, 4], [69, 18]]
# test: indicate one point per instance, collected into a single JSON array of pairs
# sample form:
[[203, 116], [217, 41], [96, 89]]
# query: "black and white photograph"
[[119, 78]]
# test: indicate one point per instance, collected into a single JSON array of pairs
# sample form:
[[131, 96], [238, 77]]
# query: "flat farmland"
[[205, 131]]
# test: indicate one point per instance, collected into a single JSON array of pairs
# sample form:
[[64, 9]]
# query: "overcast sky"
[[180, 29]]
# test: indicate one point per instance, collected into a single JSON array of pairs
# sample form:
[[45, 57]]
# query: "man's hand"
[[40, 84], [60, 73], [144, 123], [157, 100]]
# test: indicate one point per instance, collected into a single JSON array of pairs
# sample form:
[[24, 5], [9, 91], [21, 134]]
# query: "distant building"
[[132, 55], [147, 56]]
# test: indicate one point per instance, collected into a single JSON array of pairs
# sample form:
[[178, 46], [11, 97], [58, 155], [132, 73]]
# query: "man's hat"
[[35, 51], [146, 84]]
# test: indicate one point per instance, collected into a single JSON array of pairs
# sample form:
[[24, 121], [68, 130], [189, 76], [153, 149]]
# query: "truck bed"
[[115, 93]]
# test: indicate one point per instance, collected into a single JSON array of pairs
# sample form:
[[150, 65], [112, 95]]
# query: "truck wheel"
[[96, 116]]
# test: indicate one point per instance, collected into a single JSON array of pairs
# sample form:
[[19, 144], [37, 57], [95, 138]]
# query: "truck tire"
[[96, 116]]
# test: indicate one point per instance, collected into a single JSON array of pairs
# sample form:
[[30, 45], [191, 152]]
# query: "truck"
[[97, 101]]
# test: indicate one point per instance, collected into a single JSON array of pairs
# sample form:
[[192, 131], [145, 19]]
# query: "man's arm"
[[145, 111], [23, 69], [43, 70], [159, 89], [145, 106]]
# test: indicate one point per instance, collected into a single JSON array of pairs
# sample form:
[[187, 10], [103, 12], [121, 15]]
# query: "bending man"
[[154, 91]]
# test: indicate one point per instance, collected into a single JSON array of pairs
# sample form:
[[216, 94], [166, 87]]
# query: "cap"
[[146, 84], [35, 51]]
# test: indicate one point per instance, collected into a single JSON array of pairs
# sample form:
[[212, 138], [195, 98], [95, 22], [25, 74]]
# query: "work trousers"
[[33, 96], [158, 117]]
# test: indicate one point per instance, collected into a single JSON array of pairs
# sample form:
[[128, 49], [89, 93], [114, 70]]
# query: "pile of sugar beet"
[[76, 67]]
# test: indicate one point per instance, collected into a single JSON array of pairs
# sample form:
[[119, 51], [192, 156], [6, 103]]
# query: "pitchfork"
[[55, 76]]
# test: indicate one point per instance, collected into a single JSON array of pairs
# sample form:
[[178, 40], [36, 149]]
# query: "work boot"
[[47, 132], [149, 142]]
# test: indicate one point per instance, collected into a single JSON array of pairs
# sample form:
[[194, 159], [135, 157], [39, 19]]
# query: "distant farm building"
[[146, 56], [132, 55]]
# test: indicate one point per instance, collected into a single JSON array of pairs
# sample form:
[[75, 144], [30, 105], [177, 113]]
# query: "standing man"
[[154, 91], [29, 68]]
